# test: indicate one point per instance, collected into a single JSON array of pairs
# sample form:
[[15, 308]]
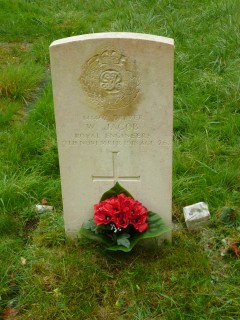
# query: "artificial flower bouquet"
[[119, 221]]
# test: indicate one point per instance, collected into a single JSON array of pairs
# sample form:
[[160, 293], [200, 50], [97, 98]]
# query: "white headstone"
[[113, 97]]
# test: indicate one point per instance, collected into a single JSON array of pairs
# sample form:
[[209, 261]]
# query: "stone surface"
[[113, 99], [196, 215], [42, 208]]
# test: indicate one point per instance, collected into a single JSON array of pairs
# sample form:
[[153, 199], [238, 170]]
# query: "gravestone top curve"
[[113, 35]]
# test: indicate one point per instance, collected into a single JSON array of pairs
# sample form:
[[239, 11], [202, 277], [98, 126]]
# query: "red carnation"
[[139, 216], [105, 210], [121, 211]]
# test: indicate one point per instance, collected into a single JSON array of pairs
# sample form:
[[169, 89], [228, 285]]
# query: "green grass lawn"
[[43, 275]]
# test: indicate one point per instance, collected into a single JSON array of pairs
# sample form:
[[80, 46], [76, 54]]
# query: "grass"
[[197, 277]]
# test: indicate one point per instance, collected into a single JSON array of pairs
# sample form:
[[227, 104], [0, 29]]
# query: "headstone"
[[196, 215], [113, 97]]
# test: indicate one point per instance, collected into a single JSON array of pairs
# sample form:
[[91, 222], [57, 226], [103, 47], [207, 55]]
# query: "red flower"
[[139, 216], [122, 211], [101, 216], [104, 211]]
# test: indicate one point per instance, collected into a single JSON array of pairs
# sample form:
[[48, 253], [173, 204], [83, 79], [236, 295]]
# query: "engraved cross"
[[115, 176]]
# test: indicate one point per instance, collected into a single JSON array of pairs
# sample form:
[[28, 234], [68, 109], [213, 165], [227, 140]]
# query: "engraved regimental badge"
[[110, 80]]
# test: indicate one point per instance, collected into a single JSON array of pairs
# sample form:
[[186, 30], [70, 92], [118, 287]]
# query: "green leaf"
[[126, 242], [156, 228], [99, 237], [90, 225], [114, 191], [123, 240]]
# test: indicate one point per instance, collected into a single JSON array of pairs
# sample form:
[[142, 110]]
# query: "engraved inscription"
[[123, 132], [122, 126], [107, 142], [110, 80], [134, 117]]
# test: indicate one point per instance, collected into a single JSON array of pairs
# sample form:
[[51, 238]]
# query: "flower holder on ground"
[[119, 221]]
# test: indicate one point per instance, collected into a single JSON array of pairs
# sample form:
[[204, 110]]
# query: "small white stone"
[[196, 214], [40, 208]]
